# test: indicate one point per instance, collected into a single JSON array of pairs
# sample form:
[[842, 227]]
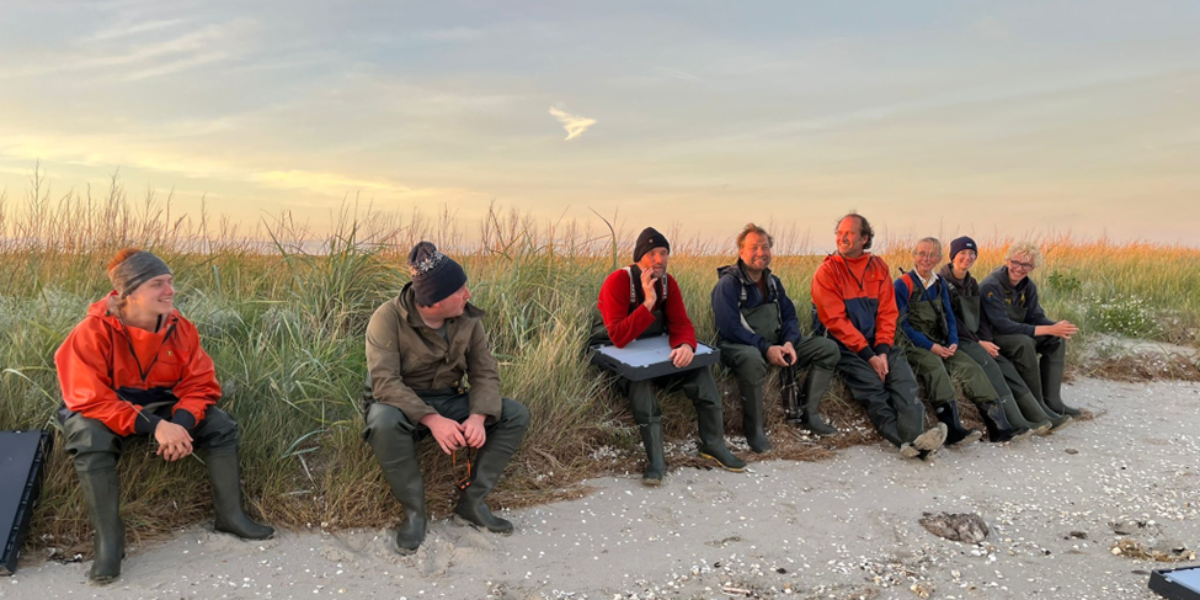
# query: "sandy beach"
[[841, 528]]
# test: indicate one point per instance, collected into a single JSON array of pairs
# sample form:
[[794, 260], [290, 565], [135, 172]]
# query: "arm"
[[831, 311], [384, 365], [82, 366], [790, 332], [729, 319], [483, 375], [951, 321], [679, 326], [623, 326], [198, 388], [1035, 316], [888, 315], [916, 337]]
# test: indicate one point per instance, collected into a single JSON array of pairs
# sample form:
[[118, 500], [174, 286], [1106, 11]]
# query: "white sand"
[[843, 528]]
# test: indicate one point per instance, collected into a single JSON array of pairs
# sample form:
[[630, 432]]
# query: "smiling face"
[[927, 257], [1019, 267], [850, 240], [155, 297], [655, 261], [756, 252], [964, 260]]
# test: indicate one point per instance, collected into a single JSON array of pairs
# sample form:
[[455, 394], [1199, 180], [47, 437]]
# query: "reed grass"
[[282, 312]]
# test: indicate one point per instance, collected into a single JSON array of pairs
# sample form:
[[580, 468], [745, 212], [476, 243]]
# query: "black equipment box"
[[23, 456], [648, 358], [1176, 584]]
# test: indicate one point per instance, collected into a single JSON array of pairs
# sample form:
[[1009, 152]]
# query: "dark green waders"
[[95, 449], [697, 384], [750, 368], [394, 440], [1044, 377]]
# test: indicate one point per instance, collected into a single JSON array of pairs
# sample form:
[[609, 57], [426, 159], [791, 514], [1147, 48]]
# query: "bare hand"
[[992, 349], [648, 280], [879, 362], [789, 353], [174, 442], [447, 432], [776, 355], [682, 356], [953, 349], [474, 431], [941, 351], [1063, 329]]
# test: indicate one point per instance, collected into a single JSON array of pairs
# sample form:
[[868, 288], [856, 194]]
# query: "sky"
[[945, 118]]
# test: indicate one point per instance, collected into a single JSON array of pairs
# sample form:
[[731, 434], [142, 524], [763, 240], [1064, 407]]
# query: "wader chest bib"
[[927, 316], [967, 310], [764, 320], [599, 333]]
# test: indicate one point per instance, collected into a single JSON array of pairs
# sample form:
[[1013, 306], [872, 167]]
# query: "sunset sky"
[[930, 117]]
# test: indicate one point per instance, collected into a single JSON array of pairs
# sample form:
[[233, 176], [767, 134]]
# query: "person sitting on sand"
[[1022, 330], [757, 328], [927, 320], [642, 300], [975, 337], [420, 347], [134, 368], [855, 304]]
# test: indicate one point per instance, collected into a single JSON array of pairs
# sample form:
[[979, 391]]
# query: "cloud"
[[574, 125]]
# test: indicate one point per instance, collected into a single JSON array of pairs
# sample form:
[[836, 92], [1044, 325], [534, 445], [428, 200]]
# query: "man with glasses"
[[420, 346], [1022, 330]]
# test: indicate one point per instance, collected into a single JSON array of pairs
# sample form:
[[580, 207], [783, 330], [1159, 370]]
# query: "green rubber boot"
[[712, 438], [226, 479], [652, 439], [397, 456], [102, 493], [815, 386], [752, 417]]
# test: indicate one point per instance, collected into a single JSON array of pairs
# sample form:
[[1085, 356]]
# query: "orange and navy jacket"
[[109, 372], [855, 303], [626, 321]]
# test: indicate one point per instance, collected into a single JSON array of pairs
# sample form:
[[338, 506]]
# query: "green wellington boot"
[[1017, 419], [814, 388], [753, 418], [226, 479], [102, 493], [489, 465], [956, 434], [712, 439], [999, 429], [397, 455], [652, 439]]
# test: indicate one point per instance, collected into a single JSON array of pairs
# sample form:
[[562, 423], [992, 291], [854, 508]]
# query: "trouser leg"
[[216, 439], [820, 355], [867, 388], [503, 438], [648, 416], [995, 376], [700, 387], [1053, 351], [393, 439], [94, 450], [750, 369], [902, 391], [934, 374], [1032, 407]]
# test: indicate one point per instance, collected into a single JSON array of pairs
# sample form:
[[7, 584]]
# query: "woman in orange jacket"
[[134, 367]]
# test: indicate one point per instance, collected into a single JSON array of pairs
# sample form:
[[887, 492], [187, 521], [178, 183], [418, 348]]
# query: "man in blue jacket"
[[758, 327], [1022, 330]]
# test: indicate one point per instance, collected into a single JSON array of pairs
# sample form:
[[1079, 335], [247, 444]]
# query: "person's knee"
[[217, 430], [827, 353], [1024, 346], [514, 414], [90, 436], [751, 368], [383, 419]]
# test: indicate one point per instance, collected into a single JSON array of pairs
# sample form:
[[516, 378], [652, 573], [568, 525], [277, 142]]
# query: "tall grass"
[[283, 313]]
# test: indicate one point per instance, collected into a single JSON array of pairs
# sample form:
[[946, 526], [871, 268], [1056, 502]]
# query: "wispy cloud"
[[130, 30], [575, 125], [453, 34]]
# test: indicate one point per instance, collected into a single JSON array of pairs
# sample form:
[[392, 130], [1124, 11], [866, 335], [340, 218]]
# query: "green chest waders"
[[751, 370]]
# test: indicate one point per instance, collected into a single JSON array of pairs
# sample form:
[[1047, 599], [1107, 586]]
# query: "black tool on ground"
[[23, 456], [1176, 584], [789, 396]]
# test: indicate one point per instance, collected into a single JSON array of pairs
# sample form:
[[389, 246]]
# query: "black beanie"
[[960, 244], [648, 240], [434, 275]]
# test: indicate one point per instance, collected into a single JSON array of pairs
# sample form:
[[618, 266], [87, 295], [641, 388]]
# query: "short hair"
[[120, 257], [864, 227], [752, 228], [1029, 249], [931, 240]]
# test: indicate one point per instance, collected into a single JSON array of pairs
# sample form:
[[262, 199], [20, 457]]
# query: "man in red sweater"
[[640, 301], [855, 304]]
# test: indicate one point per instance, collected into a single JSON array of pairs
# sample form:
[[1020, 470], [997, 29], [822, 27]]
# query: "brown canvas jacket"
[[405, 358]]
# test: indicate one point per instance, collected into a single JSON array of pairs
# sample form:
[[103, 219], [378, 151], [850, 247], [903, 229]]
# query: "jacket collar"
[[738, 271]]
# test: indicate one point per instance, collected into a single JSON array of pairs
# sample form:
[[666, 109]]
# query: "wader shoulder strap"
[[633, 287]]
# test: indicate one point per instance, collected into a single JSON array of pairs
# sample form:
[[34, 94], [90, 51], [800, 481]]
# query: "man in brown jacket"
[[420, 345]]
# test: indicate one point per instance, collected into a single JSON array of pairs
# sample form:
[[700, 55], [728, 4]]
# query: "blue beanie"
[[962, 243]]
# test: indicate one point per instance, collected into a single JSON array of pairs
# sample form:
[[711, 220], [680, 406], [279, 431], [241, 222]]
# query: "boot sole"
[[908, 451], [461, 521], [926, 441], [721, 464], [970, 438], [651, 482]]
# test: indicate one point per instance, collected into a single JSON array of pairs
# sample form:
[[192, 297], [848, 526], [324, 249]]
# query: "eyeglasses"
[[1020, 265], [464, 481], [928, 255]]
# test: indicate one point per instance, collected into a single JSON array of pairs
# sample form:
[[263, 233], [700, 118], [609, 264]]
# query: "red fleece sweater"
[[839, 288], [625, 326]]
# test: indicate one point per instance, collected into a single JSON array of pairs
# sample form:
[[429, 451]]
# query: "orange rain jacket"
[[856, 303], [110, 372]]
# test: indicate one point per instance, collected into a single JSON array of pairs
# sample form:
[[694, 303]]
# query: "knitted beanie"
[[648, 240], [435, 276], [960, 244], [135, 270]]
